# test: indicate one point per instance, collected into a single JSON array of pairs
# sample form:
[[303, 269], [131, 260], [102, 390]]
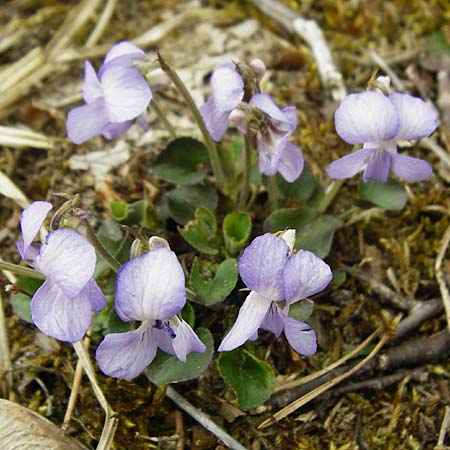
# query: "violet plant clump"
[[277, 279], [114, 97], [379, 121], [63, 306], [150, 289]]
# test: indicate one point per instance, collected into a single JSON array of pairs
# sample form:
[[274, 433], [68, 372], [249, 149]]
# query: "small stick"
[[203, 419], [179, 429], [444, 426], [5, 356], [101, 24], [75, 388], [386, 68], [440, 275]]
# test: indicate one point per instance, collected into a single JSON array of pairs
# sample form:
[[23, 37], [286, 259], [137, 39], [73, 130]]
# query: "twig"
[[444, 426], [289, 409], [203, 419], [101, 24], [440, 276], [75, 388], [5, 356], [179, 428], [386, 68], [111, 421]]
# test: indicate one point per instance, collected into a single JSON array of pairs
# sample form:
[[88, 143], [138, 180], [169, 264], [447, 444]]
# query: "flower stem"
[[100, 249], [246, 175], [163, 118], [24, 271], [330, 192], [210, 145], [272, 189]]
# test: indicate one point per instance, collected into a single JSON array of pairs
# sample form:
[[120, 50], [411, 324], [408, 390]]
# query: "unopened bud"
[[289, 237], [237, 119], [157, 79], [259, 68], [137, 248], [157, 242]]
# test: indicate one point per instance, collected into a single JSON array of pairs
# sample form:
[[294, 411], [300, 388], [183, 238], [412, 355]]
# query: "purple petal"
[[126, 355], [227, 87], [95, 295], [126, 92], [265, 103], [216, 120], [68, 259], [261, 264], [249, 319], [113, 130], [186, 341], [290, 163], [31, 220], [150, 287], [30, 254], [121, 50], [304, 275], [366, 117], [265, 159], [378, 166], [300, 336], [87, 121], [417, 118], [410, 169], [349, 165], [92, 88], [273, 321], [56, 315]]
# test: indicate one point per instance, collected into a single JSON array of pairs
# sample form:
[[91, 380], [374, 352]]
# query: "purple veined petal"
[[92, 88], [304, 275], [410, 169], [68, 259], [126, 92], [349, 165], [378, 166], [150, 287], [366, 117], [290, 114], [112, 130], [126, 355], [56, 315], [227, 87], [417, 118], [265, 159], [30, 254], [300, 336], [186, 341], [216, 120], [143, 122], [261, 265], [31, 220], [290, 163], [87, 121], [95, 296], [249, 319], [254, 336], [273, 321], [123, 49], [265, 103]]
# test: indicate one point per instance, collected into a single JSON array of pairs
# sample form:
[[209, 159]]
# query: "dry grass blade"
[[5, 356], [18, 137], [444, 427], [440, 275], [102, 23], [289, 409], [10, 190]]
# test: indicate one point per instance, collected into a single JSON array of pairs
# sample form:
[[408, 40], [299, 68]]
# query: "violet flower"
[[378, 121], [151, 289], [277, 279], [114, 97], [62, 307]]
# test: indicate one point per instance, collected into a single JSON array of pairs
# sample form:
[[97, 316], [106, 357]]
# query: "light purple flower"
[[114, 97], [277, 279], [151, 289], [378, 121], [62, 307]]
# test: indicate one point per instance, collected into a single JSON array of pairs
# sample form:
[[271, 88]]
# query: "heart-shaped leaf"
[[237, 227], [390, 195]]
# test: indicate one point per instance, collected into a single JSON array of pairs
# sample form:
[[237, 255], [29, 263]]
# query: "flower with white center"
[[378, 121], [62, 307], [151, 289], [277, 279], [114, 97]]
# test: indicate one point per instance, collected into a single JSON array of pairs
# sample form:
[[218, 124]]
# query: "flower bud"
[[259, 68]]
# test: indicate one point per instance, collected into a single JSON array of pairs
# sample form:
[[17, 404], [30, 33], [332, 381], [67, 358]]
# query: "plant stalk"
[[330, 192], [246, 175], [24, 271], [163, 118], [272, 190]]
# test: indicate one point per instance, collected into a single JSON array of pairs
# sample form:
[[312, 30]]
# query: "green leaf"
[[237, 227], [21, 306], [201, 232], [188, 314], [167, 368], [119, 210], [230, 154], [115, 324], [317, 236], [137, 213], [301, 310], [184, 161], [28, 284], [339, 277], [251, 379], [289, 218], [301, 189], [390, 195], [212, 288], [182, 202]]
